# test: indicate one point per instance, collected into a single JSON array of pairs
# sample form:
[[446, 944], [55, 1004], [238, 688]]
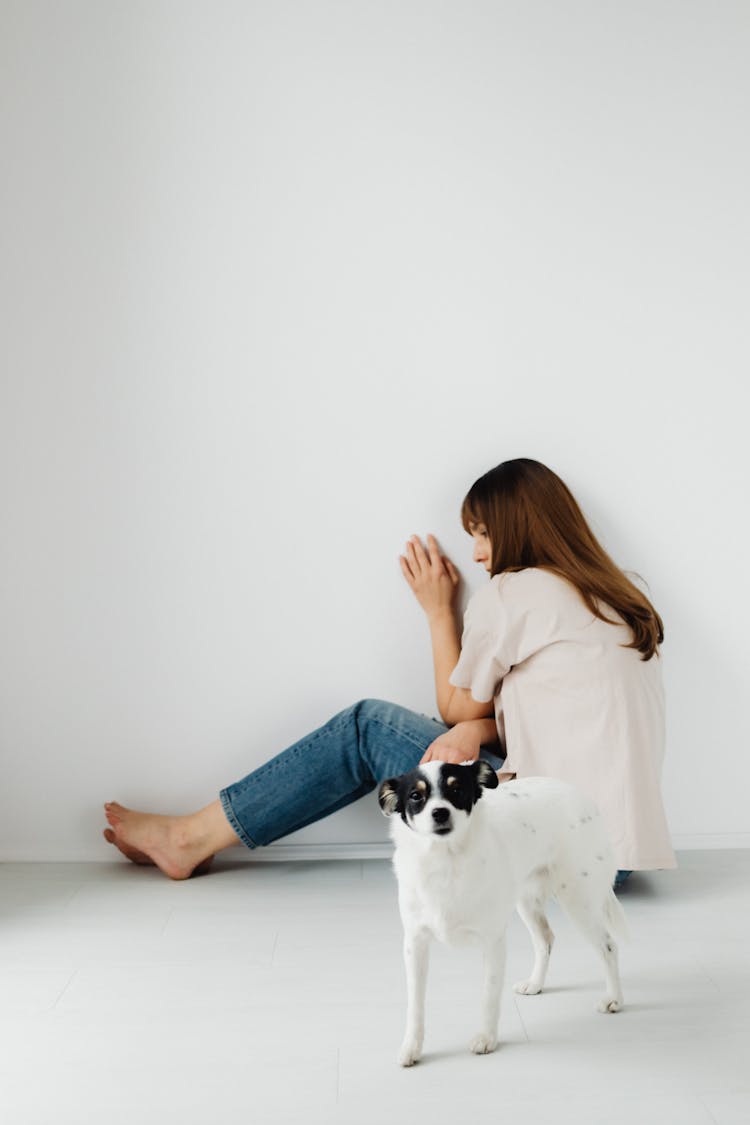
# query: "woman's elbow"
[[463, 707]]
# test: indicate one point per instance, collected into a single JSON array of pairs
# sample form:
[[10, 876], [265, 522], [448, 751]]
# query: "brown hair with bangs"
[[532, 519]]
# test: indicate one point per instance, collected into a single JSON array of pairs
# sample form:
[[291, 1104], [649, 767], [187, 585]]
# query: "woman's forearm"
[[446, 649], [486, 731], [454, 704]]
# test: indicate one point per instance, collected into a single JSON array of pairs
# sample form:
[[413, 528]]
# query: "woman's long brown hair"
[[533, 519]]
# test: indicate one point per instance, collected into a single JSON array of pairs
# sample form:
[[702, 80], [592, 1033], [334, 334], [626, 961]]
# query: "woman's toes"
[[130, 853], [116, 807]]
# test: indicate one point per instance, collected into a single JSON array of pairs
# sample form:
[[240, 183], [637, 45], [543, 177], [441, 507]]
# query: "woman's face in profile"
[[482, 545]]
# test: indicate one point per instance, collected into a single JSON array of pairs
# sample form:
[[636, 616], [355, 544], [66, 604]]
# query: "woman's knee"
[[373, 707], [391, 739], [384, 711]]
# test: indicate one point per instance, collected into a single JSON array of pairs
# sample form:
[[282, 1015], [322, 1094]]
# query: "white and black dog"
[[463, 864]]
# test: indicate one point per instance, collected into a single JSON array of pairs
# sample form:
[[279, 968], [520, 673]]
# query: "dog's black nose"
[[441, 815]]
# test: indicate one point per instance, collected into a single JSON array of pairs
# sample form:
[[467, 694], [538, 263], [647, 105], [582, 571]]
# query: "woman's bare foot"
[[165, 841], [142, 859], [131, 853]]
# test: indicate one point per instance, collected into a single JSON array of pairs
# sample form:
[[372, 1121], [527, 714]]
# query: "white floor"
[[273, 992]]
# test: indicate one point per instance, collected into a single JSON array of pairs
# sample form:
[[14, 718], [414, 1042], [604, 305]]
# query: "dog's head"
[[436, 799]]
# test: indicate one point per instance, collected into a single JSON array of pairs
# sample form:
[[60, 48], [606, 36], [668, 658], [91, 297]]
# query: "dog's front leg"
[[416, 958], [494, 975]]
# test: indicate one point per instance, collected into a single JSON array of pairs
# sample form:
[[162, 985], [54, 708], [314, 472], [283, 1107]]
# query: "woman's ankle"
[[209, 831]]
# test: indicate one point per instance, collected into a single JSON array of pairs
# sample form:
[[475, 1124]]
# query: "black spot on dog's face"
[[406, 795], [458, 785], [463, 785], [416, 791]]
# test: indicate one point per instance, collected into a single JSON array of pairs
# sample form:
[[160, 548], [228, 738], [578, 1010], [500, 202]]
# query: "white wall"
[[280, 280]]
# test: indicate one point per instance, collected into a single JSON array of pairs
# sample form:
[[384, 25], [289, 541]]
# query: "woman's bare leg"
[[177, 845]]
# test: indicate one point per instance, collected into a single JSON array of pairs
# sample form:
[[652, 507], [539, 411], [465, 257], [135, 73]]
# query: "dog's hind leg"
[[531, 911], [494, 976], [416, 959], [590, 915]]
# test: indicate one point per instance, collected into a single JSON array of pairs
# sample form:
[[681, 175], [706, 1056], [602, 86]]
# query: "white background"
[[279, 281]]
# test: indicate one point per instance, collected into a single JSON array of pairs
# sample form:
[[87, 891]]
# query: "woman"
[[558, 671]]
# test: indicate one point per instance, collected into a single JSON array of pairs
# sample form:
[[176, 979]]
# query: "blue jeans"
[[336, 764], [329, 768]]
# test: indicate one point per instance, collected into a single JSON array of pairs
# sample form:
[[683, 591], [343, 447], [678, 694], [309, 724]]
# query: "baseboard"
[[708, 841], [319, 851], [273, 853], [682, 842]]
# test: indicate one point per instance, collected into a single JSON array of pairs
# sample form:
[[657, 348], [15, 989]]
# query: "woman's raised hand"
[[461, 743], [433, 577]]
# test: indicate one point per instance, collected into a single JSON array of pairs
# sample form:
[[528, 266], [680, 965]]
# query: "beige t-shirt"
[[571, 703]]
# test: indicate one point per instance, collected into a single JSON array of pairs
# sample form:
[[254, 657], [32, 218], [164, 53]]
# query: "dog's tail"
[[615, 916]]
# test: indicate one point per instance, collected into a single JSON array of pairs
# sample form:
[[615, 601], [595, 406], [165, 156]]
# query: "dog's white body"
[[522, 842]]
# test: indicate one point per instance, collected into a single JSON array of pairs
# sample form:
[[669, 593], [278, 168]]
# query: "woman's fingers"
[[436, 559], [411, 560], [431, 557], [455, 576], [416, 552], [406, 569], [453, 754], [426, 573]]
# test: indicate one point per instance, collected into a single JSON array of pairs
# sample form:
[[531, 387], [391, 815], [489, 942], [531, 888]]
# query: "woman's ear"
[[388, 797]]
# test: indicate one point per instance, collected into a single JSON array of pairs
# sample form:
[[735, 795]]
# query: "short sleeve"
[[481, 666]]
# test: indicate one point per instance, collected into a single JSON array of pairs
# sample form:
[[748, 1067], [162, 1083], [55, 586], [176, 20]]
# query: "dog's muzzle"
[[442, 821]]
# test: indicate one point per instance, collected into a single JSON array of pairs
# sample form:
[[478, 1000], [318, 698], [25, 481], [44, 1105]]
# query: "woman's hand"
[[432, 577], [459, 744]]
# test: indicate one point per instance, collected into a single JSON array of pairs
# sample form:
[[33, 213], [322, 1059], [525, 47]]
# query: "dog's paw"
[[410, 1053], [527, 988], [609, 1005], [483, 1044]]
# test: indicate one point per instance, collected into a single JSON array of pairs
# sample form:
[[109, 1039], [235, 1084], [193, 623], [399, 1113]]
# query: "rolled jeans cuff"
[[226, 804]]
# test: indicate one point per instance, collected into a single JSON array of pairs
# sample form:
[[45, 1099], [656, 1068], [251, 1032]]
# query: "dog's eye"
[[415, 795]]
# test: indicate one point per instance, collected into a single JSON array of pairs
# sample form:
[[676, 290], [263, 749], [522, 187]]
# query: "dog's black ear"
[[388, 797], [486, 777]]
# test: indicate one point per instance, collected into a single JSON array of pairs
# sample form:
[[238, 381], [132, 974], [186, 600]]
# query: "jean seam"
[[271, 767], [414, 742], [363, 791], [231, 816], [395, 730]]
